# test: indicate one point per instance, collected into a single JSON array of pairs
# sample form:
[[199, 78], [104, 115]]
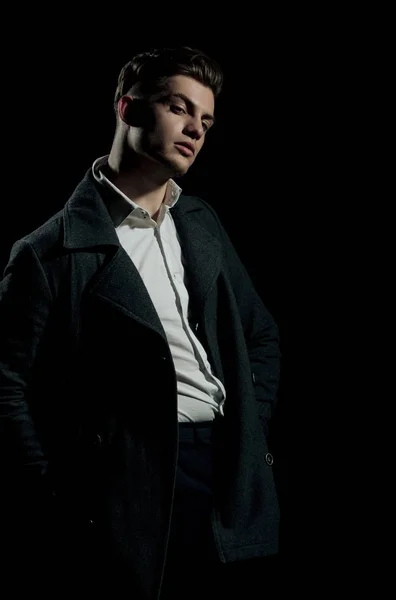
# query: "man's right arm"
[[25, 300]]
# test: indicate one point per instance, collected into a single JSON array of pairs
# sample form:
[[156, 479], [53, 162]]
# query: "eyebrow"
[[191, 104]]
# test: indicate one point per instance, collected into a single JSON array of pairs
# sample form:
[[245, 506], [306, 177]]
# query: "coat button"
[[269, 459], [98, 440]]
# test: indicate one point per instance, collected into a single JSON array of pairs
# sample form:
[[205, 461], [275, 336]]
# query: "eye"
[[178, 109]]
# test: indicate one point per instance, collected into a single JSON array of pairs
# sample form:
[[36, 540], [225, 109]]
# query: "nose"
[[194, 128]]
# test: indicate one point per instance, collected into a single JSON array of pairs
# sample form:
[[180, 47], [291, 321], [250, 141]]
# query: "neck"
[[136, 178]]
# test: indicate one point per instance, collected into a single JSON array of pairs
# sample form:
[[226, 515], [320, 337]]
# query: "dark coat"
[[88, 401]]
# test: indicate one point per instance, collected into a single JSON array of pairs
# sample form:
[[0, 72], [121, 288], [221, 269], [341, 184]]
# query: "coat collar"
[[87, 224], [87, 220]]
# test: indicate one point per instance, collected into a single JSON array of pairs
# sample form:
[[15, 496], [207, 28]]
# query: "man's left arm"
[[260, 330]]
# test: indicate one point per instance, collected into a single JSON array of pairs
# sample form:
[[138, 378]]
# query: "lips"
[[188, 146]]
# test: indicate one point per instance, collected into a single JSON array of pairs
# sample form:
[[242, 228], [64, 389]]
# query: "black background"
[[268, 167], [295, 167]]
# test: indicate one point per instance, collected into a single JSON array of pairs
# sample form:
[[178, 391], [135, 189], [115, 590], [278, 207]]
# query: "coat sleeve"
[[260, 330], [25, 301]]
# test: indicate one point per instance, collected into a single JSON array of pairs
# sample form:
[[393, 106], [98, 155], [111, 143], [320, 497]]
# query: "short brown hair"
[[152, 68]]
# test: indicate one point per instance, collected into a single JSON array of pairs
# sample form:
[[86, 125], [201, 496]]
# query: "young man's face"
[[180, 115]]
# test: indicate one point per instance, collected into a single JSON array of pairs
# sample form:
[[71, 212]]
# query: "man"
[[139, 367]]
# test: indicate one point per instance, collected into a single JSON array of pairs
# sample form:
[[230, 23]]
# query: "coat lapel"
[[88, 225], [201, 250], [119, 283]]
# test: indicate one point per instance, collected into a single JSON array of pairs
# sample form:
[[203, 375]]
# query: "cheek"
[[142, 141], [167, 132], [139, 137]]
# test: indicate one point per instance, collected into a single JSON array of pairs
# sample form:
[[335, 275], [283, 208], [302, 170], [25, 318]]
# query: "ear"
[[123, 108], [133, 111]]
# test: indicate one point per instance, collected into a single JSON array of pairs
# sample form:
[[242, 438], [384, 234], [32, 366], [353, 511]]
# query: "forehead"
[[197, 93]]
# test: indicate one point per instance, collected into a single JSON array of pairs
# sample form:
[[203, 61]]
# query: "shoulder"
[[195, 203], [48, 238], [44, 239], [201, 209]]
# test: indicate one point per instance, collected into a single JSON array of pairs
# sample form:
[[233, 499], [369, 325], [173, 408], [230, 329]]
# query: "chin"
[[179, 171], [176, 167]]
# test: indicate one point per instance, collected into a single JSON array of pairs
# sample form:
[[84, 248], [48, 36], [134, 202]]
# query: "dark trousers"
[[193, 568]]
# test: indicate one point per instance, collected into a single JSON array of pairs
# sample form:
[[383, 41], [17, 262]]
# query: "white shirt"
[[155, 250]]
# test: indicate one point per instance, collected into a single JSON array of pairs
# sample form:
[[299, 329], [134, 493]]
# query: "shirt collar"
[[121, 206]]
